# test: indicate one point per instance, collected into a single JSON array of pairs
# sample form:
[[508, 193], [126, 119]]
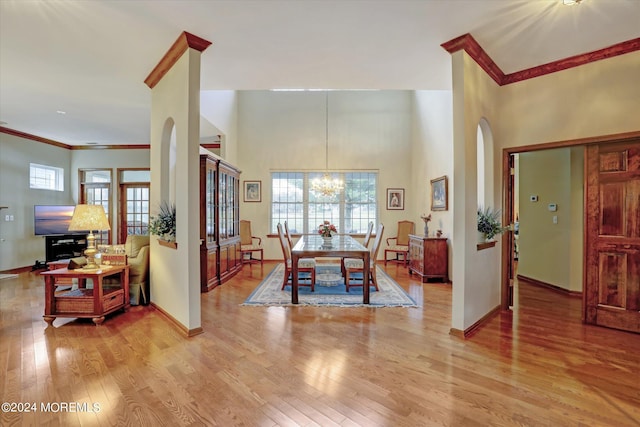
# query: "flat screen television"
[[52, 219]]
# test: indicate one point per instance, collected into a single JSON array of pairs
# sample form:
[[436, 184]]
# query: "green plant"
[[489, 222], [164, 224]]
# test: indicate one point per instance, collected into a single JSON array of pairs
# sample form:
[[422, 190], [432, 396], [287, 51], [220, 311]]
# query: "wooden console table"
[[82, 302], [428, 257]]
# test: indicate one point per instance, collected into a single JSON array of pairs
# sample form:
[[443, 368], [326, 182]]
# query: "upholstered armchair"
[[137, 250], [399, 244]]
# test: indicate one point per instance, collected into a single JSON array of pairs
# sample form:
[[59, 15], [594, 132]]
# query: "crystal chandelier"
[[326, 186]]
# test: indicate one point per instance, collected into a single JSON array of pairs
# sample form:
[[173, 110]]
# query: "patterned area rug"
[[329, 291]]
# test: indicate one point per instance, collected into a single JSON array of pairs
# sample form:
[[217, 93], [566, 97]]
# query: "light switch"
[[555, 219]]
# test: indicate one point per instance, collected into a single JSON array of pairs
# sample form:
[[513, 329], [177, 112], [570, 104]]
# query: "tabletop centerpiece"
[[325, 230]]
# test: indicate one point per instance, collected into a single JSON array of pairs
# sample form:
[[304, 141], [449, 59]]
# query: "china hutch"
[[219, 222]]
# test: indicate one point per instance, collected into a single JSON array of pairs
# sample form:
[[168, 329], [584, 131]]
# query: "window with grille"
[[134, 202], [44, 177], [95, 189], [351, 210]]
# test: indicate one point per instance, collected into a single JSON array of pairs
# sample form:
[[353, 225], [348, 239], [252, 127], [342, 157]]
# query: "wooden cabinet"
[[219, 222], [428, 257], [82, 302], [64, 246]]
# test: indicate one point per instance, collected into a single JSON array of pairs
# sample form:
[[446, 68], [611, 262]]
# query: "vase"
[[426, 230], [326, 240]]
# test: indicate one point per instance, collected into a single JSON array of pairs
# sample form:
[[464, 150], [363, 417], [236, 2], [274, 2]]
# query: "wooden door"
[[612, 291]]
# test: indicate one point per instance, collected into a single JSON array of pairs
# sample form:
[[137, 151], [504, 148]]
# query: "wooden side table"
[[428, 257], [82, 302]]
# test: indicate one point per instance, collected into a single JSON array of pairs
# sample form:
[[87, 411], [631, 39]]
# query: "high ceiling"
[[89, 58]]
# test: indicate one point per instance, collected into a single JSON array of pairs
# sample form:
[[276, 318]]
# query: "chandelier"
[[326, 186]]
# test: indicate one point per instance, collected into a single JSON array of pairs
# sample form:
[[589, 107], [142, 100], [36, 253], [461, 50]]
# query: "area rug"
[[329, 291]]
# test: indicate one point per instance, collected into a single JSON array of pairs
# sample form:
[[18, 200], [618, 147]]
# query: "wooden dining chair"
[[365, 243], [305, 265], [399, 244], [288, 235], [356, 265], [249, 244], [367, 237]]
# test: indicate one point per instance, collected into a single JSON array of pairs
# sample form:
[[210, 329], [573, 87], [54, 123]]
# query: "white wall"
[[432, 157], [220, 108], [592, 100], [19, 246], [368, 130], [175, 273], [476, 290]]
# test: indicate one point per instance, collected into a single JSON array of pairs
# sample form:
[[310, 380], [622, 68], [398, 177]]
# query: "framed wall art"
[[439, 194], [252, 191], [395, 198]]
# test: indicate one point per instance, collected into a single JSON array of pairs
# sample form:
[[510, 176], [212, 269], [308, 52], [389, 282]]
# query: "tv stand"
[[64, 246]]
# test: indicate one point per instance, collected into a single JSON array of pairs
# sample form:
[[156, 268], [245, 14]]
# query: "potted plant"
[[163, 225], [489, 223]]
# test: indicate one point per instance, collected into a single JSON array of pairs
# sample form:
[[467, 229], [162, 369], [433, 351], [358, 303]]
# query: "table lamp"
[[89, 218]]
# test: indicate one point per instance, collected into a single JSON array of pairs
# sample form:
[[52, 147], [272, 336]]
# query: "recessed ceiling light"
[[571, 2], [3, 123], [61, 112], [92, 143]]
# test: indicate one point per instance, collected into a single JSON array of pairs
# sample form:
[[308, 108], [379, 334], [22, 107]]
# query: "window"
[[95, 189], [351, 210], [46, 177], [134, 202]]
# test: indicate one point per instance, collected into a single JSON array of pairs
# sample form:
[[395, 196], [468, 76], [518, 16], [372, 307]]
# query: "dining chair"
[[367, 237], [287, 234], [365, 243], [356, 265], [400, 244], [305, 265], [249, 244]]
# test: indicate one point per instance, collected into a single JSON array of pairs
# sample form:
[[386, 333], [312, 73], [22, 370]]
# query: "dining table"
[[340, 246]]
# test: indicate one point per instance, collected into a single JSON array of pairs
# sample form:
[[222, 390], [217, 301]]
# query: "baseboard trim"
[[18, 270], [541, 284], [473, 328], [178, 325]]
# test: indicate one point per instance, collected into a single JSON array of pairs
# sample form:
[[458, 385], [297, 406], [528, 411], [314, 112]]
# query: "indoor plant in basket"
[[489, 223]]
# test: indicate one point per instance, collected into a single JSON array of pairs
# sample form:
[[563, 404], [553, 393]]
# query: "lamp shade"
[[89, 218]]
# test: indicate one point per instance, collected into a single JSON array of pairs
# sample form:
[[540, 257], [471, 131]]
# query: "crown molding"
[[37, 138], [31, 137], [183, 42], [467, 43]]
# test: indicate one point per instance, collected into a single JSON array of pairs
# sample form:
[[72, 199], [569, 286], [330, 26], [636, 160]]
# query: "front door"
[[612, 289]]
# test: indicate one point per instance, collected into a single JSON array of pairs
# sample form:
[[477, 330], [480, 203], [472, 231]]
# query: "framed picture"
[[252, 191], [439, 194], [395, 199]]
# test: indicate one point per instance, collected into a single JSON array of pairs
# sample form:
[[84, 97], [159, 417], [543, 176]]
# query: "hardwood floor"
[[268, 366]]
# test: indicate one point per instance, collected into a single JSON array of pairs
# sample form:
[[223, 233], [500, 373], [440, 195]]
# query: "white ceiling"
[[90, 58]]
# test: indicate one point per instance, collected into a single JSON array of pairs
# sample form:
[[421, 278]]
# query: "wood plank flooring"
[[305, 366]]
